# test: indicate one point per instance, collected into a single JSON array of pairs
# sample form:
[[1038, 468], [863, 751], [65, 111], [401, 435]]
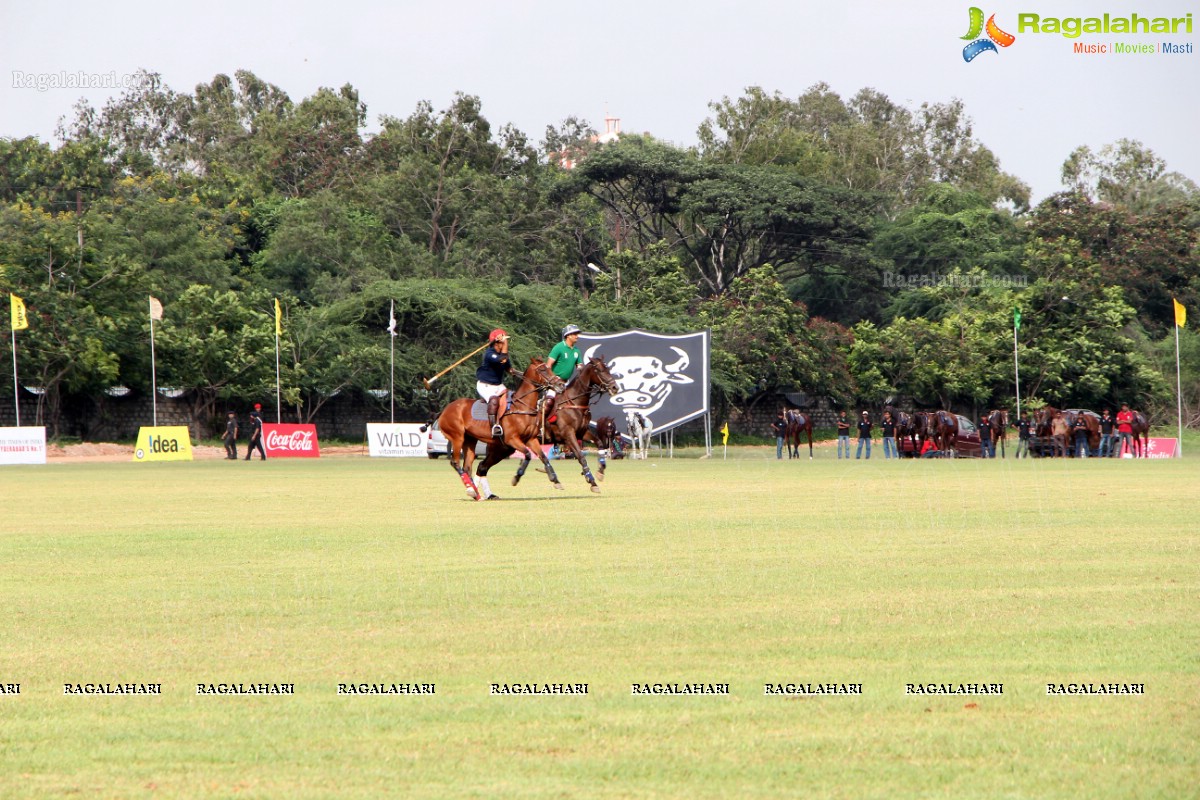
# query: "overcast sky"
[[655, 65]]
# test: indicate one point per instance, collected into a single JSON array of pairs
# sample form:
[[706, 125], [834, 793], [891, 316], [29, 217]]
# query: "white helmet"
[[567, 331]]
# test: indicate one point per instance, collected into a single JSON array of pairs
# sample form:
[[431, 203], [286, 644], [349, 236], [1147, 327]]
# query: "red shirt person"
[[1125, 428]]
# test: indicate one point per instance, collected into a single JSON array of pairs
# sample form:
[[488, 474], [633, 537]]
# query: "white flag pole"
[[1017, 369], [392, 331], [16, 385], [153, 366]]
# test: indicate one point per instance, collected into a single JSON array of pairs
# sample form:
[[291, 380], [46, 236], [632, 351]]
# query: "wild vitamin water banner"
[[398, 440], [164, 443]]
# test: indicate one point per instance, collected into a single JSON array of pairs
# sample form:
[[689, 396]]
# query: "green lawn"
[[742, 571]]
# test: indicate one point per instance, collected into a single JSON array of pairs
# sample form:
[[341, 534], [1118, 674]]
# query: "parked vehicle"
[[966, 446]]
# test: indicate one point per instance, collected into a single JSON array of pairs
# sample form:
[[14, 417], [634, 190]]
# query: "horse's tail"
[[428, 424]]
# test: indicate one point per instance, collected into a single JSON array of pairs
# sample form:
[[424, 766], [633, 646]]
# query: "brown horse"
[[944, 430], [997, 420], [797, 423], [1141, 434], [1091, 421], [908, 426], [463, 429], [603, 432], [572, 412]]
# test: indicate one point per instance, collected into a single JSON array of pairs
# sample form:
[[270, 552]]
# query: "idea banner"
[[1161, 447], [165, 443], [290, 441], [23, 445]]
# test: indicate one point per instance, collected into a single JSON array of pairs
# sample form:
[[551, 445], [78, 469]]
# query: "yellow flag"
[[1180, 313], [725, 434], [19, 321], [155, 308], [278, 318]]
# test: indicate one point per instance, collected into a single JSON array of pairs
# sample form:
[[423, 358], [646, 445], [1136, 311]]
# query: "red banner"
[[290, 441], [1161, 447]]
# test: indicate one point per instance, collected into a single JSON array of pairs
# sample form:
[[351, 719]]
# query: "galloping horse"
[[997, 420], [603, 432], [573, 411], [797, 423], [944, 430], [463, 428]]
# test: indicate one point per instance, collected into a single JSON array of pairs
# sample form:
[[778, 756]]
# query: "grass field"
[[743, 571]]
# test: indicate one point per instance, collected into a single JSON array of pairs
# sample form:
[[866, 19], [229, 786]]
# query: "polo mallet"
[[429, 381]]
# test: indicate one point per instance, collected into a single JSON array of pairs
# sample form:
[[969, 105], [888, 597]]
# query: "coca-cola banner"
[[290, 441]]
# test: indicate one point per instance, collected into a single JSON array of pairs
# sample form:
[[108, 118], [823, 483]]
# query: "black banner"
[[662, 377]]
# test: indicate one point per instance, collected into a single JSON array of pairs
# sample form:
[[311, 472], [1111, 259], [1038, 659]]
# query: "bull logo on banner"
[[662, 377]]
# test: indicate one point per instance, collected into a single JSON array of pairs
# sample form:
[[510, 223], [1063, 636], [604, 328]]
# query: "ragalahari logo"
[[995, 36]]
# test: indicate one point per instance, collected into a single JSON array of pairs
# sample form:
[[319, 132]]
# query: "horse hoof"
[[493, 497], [559, 486], [514, 481], [471, 493], [600, 476], [595, 488]]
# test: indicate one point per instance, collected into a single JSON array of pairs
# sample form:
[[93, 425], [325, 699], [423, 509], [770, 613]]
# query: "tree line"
[[853, 248]]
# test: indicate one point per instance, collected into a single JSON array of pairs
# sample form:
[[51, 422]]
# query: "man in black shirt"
[[231, 434], [779, 428], [256, 434], [888, 429], [1080, 430], [843, 431], [1106, 433], [986, 448], [864, 435], [1023, 425]]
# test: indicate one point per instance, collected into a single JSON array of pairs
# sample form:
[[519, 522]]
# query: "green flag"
[[1017, 318]]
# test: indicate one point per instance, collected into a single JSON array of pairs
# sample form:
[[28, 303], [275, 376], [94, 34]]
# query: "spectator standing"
[[864, 435], [1107, 423], [1080, 429], [231, 434], [1125, 429], [1023, 426], [987, 449], [887, 427], [1058, 432], [843, 431], [779, 428], [256, 433]]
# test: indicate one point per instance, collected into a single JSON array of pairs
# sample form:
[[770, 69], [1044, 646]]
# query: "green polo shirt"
[[566, 358]]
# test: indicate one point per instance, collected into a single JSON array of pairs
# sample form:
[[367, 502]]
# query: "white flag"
[[155, 308], [392, 319]]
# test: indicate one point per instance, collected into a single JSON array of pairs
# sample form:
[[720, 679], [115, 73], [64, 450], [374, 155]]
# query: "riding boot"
[[493, 409]]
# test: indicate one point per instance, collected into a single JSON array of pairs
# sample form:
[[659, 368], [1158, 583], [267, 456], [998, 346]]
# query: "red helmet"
[[497, 335]]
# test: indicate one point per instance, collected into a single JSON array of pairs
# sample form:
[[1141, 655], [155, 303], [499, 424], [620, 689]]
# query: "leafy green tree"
[[1126, 174], [764, 342], [1151, 255], [217, 345]]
